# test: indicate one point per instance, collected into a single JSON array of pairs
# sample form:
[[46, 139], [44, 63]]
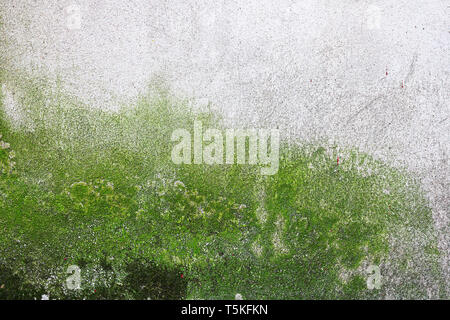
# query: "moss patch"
[[98, 190]]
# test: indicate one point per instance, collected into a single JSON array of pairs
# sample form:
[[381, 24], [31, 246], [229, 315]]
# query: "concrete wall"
[[370, 74]]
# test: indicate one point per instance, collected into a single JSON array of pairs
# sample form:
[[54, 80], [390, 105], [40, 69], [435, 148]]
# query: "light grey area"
[[370, 74]]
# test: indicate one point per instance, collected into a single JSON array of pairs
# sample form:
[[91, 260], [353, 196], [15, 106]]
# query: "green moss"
[[99, 190]]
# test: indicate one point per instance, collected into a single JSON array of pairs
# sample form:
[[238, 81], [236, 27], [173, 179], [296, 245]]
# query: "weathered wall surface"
[[371, 74]]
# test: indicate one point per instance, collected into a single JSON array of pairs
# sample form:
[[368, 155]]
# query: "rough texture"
[[370, 74]]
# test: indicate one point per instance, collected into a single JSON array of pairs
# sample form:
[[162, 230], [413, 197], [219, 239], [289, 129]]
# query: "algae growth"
[[98, 190]]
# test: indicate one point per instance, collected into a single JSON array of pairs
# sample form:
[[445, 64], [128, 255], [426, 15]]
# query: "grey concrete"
[[315, 68]]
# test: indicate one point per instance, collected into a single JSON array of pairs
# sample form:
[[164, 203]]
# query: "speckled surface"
[[369, 74]]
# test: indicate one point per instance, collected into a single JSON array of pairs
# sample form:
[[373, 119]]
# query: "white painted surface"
[[315, 68]]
